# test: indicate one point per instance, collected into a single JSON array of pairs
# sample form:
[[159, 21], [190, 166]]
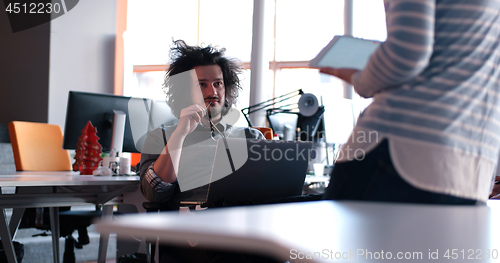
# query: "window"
[[297, 31]]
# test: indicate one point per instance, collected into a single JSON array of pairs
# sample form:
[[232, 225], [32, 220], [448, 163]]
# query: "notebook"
[[263, 170]]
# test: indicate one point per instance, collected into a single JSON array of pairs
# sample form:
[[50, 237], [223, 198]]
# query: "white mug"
[[319, 169], [112, 163], [125, 166]]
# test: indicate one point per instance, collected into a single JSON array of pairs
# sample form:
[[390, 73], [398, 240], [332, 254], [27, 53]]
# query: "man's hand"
[[342, 73], [189, 119], [167, 164], [495, 194]]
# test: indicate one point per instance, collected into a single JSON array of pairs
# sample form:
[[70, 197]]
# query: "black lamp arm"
[[270, 102]]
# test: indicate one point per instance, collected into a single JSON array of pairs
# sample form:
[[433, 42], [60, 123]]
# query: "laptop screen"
[[263, 170]]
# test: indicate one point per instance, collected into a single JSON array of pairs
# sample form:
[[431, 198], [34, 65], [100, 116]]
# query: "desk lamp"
[[307, 105], [309, 114]]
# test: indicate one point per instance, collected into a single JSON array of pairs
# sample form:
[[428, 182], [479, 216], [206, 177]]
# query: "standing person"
[[432, 132]]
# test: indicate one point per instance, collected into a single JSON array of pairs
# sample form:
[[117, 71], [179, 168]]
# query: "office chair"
[[151, 243], [38, 147]]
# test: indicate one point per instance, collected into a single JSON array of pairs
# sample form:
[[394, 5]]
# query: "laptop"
[[256, 170]]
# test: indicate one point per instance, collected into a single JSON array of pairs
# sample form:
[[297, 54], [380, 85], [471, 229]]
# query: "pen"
[[212, 125]]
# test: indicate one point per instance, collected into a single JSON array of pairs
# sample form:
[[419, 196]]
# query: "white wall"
[[82, 51]]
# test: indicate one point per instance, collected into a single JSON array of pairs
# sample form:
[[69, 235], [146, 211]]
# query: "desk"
[[56, 189], [324, 230]]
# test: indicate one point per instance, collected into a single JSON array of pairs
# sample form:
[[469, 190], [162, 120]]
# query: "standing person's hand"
[[342, 73], [495, 194]]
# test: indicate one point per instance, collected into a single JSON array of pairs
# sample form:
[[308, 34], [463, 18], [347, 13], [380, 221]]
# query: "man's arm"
[[152, 187], [167, 164]]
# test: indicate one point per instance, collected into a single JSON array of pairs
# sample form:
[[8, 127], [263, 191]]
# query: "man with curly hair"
[[201, 86]]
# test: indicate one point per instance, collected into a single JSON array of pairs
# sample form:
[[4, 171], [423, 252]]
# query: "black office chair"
[[153, 207], [69, 222]]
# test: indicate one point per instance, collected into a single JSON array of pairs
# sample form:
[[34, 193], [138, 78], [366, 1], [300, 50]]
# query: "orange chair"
[[135, 159], [38, 147], [268, 132]]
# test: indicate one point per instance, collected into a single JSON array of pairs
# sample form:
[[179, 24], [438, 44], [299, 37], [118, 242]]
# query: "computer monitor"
[[99, 110], [284, 123], [311, 127], [339, 121], [146, 115]]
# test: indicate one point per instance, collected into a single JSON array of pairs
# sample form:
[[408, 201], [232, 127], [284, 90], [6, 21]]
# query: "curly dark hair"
[[184, 58]]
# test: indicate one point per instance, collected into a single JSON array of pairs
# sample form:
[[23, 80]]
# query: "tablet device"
[[345, 52]]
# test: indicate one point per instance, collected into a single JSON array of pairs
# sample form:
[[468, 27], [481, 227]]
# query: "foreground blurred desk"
[[56, 189], [327, 231]]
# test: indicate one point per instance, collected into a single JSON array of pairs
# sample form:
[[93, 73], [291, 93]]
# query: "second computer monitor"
[[142, 115]]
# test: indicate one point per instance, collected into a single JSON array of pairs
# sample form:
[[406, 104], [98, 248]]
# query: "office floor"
[[39, 249]]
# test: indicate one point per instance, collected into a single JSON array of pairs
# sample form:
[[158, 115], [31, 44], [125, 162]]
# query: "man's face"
[[210, 81]]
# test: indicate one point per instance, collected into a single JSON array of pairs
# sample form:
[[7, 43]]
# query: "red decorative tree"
[[88, 151]]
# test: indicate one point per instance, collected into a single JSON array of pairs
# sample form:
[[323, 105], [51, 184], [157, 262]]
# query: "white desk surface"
[[77, 191], [328, 231], [61, 178], [54, 189]]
